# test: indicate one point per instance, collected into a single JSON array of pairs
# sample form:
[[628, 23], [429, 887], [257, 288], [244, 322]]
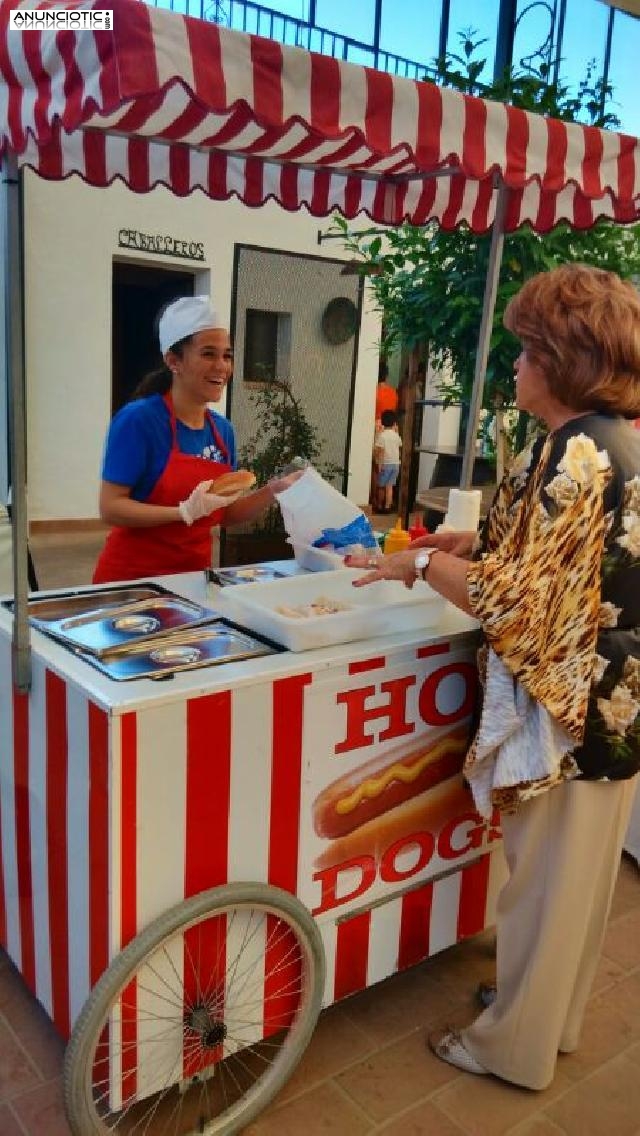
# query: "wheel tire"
[[200, 1027]]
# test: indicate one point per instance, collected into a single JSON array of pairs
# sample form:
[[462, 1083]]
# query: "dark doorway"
[[137, 295]]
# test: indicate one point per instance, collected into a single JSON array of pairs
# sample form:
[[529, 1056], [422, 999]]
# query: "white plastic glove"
[[199, 503]]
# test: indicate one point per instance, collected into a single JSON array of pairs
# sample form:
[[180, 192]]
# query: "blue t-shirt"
[[139, 443]]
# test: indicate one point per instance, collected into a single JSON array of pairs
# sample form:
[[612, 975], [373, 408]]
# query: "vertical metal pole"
[[484, 338], [377, 19], [559, 39], [607, 60], [506, 34], [444, 28], [13, 220]]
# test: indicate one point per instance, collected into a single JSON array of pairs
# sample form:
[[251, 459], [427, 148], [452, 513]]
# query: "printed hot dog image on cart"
[[388, 804], [392, 796]]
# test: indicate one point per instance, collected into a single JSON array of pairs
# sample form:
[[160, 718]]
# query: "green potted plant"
[[284, 433]]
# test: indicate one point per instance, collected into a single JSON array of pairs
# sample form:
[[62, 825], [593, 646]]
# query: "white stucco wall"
[[71, 240]]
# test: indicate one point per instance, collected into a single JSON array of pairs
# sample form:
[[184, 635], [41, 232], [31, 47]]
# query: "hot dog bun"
[[426, 813], [228, 484], [386, 781]]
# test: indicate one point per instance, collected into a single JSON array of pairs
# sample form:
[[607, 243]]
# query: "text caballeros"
[[161, 244]]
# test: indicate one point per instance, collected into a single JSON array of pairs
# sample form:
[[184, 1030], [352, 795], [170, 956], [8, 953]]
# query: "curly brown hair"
[[581, 326]]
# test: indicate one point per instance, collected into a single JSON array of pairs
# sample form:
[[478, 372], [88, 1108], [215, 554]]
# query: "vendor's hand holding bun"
[[198, 504], [211, 495], [233, 483]]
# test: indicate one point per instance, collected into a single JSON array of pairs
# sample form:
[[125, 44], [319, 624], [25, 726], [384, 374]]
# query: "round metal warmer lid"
[[339, 320]]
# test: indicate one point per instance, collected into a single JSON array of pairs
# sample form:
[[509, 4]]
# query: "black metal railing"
[[245, 16]]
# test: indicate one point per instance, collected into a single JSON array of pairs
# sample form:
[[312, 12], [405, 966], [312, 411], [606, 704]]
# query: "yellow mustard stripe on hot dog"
[[373, 786]]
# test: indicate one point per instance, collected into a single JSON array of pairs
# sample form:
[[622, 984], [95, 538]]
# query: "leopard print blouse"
[[555, 583]]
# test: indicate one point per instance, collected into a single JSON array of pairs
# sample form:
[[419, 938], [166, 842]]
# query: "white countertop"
[[121, 697]]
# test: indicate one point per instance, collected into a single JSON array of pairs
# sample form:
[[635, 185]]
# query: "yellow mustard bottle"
[[397, 538]]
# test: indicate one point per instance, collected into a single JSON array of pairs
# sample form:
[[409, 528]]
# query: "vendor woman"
[[164, 448]]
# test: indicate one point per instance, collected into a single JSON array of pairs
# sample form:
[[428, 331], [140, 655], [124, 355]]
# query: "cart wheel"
[[200, 1020]]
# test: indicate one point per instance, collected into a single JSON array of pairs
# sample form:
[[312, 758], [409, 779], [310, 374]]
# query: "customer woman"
[[555, 584], [164, 448]]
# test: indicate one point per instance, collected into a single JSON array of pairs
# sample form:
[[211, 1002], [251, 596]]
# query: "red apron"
[[130, 553]]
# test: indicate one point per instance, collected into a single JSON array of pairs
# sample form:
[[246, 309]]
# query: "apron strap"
[[168, 401]]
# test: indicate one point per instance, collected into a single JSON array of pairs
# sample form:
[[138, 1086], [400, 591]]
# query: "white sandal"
[[449, 1047]]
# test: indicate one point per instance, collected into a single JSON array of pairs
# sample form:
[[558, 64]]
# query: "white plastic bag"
[[310, 505]]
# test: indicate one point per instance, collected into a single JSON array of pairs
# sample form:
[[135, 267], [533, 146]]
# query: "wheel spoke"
[[176, 997]]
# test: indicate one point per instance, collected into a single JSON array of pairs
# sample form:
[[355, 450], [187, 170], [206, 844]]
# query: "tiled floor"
[[367, 1070]]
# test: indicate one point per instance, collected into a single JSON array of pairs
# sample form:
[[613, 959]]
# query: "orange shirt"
[[386, 399]]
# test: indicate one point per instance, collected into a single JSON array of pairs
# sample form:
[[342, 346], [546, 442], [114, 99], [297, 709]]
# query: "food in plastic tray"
[[323, 605], [382, 608]]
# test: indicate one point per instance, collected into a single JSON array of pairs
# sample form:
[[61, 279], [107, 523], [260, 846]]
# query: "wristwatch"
[[421, 562]]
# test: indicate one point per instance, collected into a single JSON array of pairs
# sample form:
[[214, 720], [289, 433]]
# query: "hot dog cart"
[[169, 890]]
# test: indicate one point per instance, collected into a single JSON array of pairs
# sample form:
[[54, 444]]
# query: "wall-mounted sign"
[[161, 244]]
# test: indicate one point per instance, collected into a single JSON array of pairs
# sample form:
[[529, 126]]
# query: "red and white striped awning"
[[164, 99]]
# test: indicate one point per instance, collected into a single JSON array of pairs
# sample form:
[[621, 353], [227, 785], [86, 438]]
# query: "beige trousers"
[[563, 852]]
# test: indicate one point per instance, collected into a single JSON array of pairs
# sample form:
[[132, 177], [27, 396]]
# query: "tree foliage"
[[283, 433], [429, 284]]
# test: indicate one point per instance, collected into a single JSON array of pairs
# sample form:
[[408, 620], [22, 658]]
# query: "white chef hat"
[[184, 317]]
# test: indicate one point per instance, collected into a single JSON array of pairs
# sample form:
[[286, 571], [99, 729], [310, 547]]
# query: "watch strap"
[[424, 558]]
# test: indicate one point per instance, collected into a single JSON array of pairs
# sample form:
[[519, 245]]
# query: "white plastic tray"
[[317, 559], [382, 608]]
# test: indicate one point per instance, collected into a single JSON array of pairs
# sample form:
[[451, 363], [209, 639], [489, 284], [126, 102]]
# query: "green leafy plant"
[[428, 284], [284, 433]]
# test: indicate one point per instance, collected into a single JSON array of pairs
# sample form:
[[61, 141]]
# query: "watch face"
[[421, 560]]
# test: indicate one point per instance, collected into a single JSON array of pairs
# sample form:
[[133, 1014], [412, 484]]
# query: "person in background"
[[386, 395], [386, 399], [386, 459], [163, 449], [554, 581]]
